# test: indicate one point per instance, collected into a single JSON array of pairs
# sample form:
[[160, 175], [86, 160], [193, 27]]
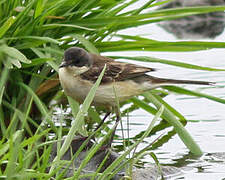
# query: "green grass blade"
[[54, 26], [39, 8], [150, 109], [37, 62], [78, 120], [168, 62], [120, 159], [44, 39], [122, 22], [41, 106], [181, 90], [14, 148], [94, 115], [87, 44], [140, 45], [43, 109], [74, 105], [114, 11], [147, 4], [14, 53], [6, 26], [143, 105], [3, 79], [179, 128], [170, 108], [92, 152]]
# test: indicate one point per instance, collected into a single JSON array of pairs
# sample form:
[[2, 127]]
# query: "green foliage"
[[34, 34]]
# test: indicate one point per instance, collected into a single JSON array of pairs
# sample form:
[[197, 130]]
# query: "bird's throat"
[[76, 71]]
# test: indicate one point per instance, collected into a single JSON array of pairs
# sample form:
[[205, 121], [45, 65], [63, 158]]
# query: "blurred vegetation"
[[33, 37]]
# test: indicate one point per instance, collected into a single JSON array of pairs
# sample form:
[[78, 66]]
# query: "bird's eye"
[[77, 61]]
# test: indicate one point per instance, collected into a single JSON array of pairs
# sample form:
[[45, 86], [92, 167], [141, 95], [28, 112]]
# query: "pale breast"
[[73, 85]]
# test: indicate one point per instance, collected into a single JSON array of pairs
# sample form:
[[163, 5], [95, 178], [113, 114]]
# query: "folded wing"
[[115, 71]]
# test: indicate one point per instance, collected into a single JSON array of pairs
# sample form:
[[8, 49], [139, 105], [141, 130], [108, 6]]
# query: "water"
[[206, 119]]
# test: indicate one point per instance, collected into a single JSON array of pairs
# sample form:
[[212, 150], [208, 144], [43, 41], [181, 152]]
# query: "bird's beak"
[[65, 64]]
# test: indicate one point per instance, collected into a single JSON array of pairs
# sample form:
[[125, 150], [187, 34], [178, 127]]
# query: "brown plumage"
[[115, 71]]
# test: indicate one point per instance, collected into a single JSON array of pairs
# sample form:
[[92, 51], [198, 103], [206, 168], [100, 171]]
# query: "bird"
[[80, 69]]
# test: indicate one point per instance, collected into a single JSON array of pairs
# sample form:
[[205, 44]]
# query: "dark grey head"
[[76, 56]]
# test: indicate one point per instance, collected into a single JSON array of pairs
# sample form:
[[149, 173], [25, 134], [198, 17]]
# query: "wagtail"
[[121, 81]]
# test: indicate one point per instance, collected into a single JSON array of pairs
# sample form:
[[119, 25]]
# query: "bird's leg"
[[114, 130], [103, 120]]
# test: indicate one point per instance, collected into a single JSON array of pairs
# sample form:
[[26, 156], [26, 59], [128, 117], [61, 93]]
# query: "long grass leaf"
[[150, 45], [181, 90], [74, 105], [92, 152], [37, 62], [122, 22], [87, 44], [3, 79], [43, 109], [39, 8], [168, 62], [174, 111], [7, 25], [120, 159], [179, 128], [44, 39], [53, 26], [143, 105], [14, 53]]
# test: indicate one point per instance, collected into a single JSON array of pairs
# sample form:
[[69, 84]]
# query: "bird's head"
[[76, 58]]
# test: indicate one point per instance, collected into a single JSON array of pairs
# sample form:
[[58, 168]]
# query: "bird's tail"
[[162, 81]]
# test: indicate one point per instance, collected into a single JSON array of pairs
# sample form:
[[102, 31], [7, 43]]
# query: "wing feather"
[[115, 71]]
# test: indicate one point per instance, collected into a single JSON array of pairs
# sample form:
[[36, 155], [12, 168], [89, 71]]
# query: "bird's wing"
[[115, 71]]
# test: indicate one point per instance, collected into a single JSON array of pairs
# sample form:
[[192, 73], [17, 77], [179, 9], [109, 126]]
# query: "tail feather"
[[175, 81]]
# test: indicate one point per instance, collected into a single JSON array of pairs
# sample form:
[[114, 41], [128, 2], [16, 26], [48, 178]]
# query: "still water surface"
[[206, 119]]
